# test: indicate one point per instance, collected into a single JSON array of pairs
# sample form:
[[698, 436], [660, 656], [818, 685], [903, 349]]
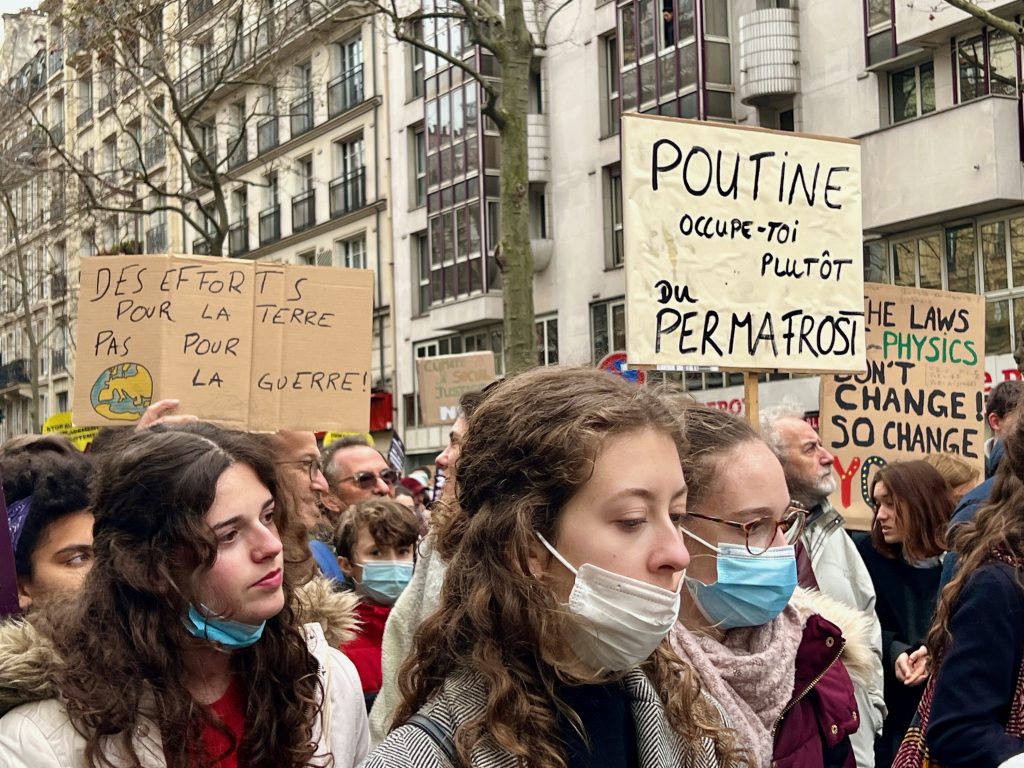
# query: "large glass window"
[[993, 255], [880, 45], [1002, 59], [997, 328], [970, 57], [666, 79], [547, 340], [960, 259], [876, 262], [912, 92]]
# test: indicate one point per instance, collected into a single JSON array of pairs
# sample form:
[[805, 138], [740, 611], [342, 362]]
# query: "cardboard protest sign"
[[443, 380], [742, 247], [250, 345], [922, 391], [62, 424]]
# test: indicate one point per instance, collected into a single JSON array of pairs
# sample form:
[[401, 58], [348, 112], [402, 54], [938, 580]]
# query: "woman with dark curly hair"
[[185, 647], [565, 563]]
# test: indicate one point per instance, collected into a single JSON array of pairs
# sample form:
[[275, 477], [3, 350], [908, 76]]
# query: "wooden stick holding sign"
[[752, 396]]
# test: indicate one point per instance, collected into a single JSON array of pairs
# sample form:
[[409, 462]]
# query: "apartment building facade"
[[932, 95], [272, 114]]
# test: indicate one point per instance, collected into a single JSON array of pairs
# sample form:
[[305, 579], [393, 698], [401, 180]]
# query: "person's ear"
[[539, 559], [994, 421], [346, 566], [24, 594]]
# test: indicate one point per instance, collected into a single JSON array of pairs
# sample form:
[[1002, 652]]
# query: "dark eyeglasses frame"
[[311, 466], [794, 519], [367, 480]]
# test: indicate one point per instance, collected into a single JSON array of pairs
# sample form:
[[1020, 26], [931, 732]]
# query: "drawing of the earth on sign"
[[123, 392]]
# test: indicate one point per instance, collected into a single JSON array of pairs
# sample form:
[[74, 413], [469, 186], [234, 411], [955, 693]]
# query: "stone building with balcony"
[[282, 105], [298, 135], [35, 270]]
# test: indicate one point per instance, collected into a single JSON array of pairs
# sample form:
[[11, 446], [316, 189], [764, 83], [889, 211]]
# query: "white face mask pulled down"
[[617, 621]]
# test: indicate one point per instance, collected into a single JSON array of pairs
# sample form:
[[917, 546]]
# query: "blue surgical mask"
[[384, 580], [751, 589], [230, 634]]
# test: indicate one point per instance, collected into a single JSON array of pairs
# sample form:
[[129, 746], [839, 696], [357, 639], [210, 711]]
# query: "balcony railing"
[[156, 238], [84, 117], [345, 92], [58, 360], [156, 152], [14, 372], [266, 135], [348, 193], [304, 210], [302, 115], [197, 80], [238, 239], [107, 99], [270, 225], [56, 61], [201, 246], [239, 148]]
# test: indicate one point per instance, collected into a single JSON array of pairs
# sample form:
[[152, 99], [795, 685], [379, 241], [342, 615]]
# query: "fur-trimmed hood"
[[856, 626], [28, 661]]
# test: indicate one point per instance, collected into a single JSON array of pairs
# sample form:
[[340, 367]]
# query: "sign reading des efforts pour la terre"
[[922, 392], [742, 247], [256, 346]]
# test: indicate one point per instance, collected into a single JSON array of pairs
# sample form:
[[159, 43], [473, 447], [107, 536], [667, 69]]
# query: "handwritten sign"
[[742, 247], [922, 392], [250, 345], [443, 380]]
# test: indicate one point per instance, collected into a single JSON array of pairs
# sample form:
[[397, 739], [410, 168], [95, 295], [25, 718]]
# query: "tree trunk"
[[516, 254]]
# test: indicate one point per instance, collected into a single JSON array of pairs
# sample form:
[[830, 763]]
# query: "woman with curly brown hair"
[[185, 647], [564, 567], [976, 642]]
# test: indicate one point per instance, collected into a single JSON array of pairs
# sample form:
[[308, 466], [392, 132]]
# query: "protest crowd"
[[611, 575]]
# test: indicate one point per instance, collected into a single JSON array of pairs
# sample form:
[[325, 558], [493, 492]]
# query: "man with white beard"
[[836, 568]]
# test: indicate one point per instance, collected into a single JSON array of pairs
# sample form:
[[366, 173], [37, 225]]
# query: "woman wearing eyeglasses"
[[913, 504], [762, 648], [565, 563]]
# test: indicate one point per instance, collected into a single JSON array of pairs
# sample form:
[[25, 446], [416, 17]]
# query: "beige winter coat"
[[36, 732]]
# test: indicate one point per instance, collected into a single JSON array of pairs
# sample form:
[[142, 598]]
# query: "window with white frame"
[[351, 253], [421, 258], [615, 244], [607, 328], [418, 150], [612, 109], [547, 340], [415, 58]]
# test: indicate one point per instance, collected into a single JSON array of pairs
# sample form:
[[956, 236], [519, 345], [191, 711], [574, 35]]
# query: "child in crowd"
[[376, 544]]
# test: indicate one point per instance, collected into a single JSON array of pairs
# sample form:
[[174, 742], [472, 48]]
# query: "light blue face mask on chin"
[[224, 632], [751, 589]]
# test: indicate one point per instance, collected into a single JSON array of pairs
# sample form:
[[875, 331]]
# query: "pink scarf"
[[750, 672]]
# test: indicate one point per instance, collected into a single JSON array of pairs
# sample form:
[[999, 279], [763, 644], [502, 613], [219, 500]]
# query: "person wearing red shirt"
[[376, 544]]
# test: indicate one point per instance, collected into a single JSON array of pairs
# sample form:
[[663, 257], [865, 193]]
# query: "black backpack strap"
[[437, 734]]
